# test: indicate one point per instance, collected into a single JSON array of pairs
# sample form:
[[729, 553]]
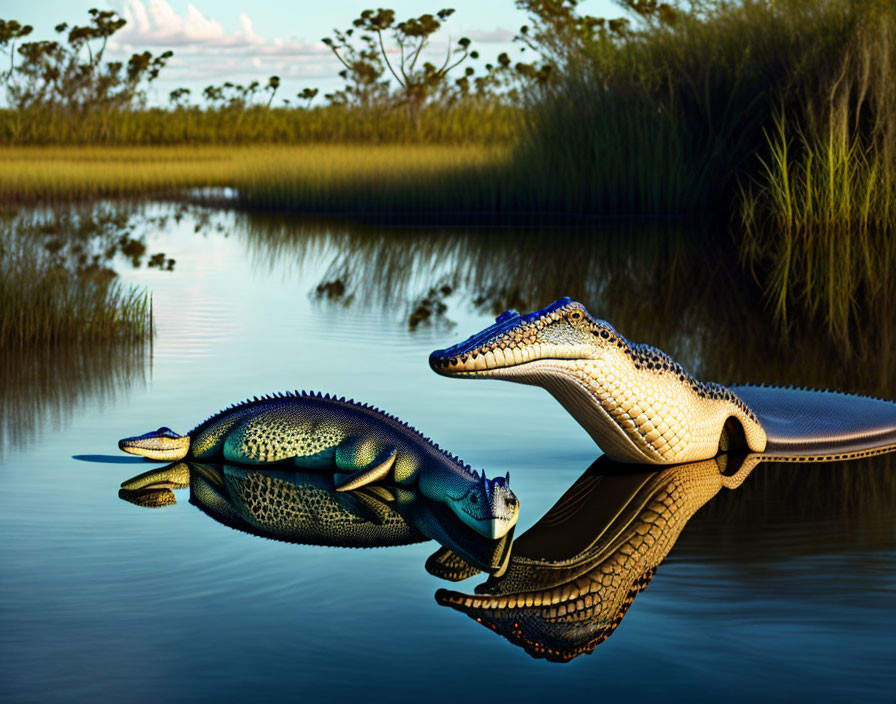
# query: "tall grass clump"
[[820, 213], [667, 117], [779, 117], [42, 303]]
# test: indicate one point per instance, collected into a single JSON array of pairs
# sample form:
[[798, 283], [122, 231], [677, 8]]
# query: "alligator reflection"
[[574, 574], [304, 507]]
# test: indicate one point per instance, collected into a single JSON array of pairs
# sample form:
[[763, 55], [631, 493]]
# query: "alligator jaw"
[[519, 369], [460, 371], [156, 445], [491, 528], [516, 340]]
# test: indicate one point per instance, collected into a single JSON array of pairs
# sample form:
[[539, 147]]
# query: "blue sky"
[[220, 40]]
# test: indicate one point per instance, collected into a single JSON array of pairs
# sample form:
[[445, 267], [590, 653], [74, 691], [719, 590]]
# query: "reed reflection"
[[42, 389], [572, 577], [669, 285], [305, 508], [70, 333]]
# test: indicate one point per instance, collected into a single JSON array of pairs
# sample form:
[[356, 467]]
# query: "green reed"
[[820, 215], [44, 304]]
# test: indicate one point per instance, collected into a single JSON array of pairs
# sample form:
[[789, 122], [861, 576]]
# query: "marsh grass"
[[822, 225], [475, 122], [313, 178], [778, 118], [38, 174], [43, 304], [377, 180], [820, 214], [775, 120]]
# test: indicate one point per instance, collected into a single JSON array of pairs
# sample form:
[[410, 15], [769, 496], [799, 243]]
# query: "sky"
[[233, 40]]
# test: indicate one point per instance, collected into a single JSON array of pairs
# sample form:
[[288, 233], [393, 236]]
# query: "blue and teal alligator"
[[357, 442]]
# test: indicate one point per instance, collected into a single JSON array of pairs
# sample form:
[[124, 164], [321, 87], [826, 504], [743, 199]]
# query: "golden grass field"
[[38, 174]]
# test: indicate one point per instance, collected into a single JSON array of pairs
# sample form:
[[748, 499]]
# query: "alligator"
[[304, 507], [573, 575], [360, 444], [640, 406]]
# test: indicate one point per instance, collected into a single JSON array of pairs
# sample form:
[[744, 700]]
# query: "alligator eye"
[[575, 316], [474, 499]]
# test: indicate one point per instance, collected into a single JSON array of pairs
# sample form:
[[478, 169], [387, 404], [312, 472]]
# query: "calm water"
[[784, 588]]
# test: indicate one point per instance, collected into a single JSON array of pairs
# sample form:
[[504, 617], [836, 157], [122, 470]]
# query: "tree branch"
[[403, 84]]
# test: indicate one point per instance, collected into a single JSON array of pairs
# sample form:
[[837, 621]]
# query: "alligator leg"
[[366, 462]]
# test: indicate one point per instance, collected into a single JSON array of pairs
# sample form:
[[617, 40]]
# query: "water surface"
[[784, 588]]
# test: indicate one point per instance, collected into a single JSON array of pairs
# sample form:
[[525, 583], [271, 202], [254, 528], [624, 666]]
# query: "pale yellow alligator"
[[641, 406]]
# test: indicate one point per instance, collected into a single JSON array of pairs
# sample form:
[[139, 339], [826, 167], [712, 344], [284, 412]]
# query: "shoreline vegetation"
[[57, 285], [775, 119]]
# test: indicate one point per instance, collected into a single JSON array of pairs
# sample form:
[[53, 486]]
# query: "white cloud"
[[498, 35], [239, 69], [207, 51], [155, 24]]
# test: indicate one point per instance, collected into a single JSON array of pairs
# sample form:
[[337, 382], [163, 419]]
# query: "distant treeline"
[[65, 91]]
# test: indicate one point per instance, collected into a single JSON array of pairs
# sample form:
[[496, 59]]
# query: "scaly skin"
[[153, 489], [297, 507], [305, 507], [359, 443], [637, 403], [574, 574]]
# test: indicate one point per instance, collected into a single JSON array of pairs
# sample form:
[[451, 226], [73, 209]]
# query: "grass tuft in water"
[[43, 303], [820, 216]]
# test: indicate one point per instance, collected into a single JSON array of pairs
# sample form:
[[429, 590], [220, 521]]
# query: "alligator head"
[[637, 403], [561, 331], [488, 506], [163, 444]]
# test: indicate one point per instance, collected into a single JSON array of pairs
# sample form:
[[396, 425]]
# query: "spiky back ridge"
[[327, 398]]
